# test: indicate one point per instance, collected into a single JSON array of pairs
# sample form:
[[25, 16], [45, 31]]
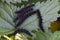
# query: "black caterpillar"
[[22, 15]]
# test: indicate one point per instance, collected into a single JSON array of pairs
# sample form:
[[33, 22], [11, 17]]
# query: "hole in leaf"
[[55, 26], [59, 12]]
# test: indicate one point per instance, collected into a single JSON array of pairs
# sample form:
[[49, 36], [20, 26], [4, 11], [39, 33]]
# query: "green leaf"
[[4, 30], [41, 36], [6, 19], [49, 11], [55, 36]]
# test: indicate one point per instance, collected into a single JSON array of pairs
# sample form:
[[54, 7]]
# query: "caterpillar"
[[23, 14]]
